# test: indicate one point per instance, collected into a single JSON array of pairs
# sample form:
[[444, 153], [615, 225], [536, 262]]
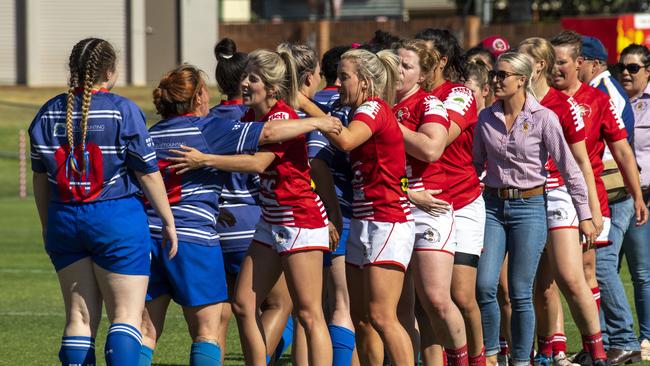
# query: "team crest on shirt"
[[560, 214], [585, 110], [281, 236], [432, 235], [404, 184], [403, 114], [641, 106], [499, 45]]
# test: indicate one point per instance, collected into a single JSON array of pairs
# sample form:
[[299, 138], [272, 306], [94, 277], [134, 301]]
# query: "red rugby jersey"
[[285, 187], [415, 111], [463, 183], [601, 124], [568, 112], [379, 167]]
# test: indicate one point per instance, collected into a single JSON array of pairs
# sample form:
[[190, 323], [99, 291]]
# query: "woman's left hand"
[[226, 218], [190, 158], [588, 231], [641, 211], [334, 236]]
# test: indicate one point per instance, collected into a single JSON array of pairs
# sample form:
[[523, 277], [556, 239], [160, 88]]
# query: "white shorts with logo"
[[560, 212], [289, 239], [434, 233], [377, 242], [470, 227]]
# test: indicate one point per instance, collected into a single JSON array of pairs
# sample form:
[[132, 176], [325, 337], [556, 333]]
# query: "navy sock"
[[146, 356], [123, 345], [77, 351], [286, 340], [342, 344], [205, 354]]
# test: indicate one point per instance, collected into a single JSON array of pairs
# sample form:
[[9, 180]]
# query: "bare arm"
[[42, 195], [309, 107], [322, 176], [454, 132], [626, 162], [190, 158], [427, 144], [154, 188], [283, 130], [351, 137], [579, 151]]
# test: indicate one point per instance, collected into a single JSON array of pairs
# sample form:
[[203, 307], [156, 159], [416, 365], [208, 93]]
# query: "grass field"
[[31, 308]]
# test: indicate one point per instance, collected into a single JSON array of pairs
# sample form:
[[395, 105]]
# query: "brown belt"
[[510, 193]]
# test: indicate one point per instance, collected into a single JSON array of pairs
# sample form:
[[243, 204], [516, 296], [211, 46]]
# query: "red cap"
[[495, 45]]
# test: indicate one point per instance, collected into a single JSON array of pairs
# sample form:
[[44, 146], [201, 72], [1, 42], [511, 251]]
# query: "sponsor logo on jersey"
[[433, 106], [279, 115], [370, 108], [60, 129]]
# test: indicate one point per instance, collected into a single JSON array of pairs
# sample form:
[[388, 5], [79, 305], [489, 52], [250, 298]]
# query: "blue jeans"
[[517, 227], [616, 318]]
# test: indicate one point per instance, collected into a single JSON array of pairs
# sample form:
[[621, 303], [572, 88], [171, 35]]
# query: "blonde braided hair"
[[93, 58]]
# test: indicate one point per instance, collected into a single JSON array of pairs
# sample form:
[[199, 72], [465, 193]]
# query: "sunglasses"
[[500, 75], [631, 68]]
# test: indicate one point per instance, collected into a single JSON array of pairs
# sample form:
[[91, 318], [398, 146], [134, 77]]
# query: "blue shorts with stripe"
[[114, 233], [194, 277], [340, 250]]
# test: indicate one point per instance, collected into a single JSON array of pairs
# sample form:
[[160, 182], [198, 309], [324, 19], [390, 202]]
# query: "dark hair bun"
[[225, 49]]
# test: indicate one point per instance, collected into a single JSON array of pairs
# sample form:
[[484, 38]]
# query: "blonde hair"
[[429, 59], [379, 70], [521, 64], [304, 57], [90, 61], [540, 50], [278, 71]]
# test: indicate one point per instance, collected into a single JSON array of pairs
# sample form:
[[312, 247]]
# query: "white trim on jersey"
[[105, 113], [235, 235], [196, 211], [145, 158], [174, 132], [211, 188], [120, 173], [113, 149], [242, 138]]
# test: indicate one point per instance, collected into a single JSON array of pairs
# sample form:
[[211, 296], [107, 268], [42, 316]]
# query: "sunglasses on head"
[[631, 68], [500, 74]]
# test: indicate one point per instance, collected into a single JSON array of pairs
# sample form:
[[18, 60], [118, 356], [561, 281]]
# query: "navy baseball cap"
[[592, 48]]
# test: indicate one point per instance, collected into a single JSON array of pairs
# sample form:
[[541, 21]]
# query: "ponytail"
[[290, 79], [390, 61]]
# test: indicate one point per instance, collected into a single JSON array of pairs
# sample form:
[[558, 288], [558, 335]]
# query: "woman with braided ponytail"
[[87, 149]]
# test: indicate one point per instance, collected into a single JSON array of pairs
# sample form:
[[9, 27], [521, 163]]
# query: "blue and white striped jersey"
[[240, 193], [318, 146], [195, 195], [117, 143]]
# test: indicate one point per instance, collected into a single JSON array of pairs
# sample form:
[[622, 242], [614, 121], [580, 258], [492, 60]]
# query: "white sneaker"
[[562, 360], [502, 360], [645, 350]]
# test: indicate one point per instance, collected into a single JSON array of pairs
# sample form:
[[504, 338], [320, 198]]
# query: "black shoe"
[[583, 358], [619, 356], [602, 362]]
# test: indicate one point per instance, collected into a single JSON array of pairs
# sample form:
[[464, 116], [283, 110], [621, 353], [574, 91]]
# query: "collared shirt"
[[641, 109], [610, 86], [517, 158]]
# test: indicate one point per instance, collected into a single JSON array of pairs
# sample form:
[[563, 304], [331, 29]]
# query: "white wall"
[[199, 34], [8, 42], [53, 28]]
